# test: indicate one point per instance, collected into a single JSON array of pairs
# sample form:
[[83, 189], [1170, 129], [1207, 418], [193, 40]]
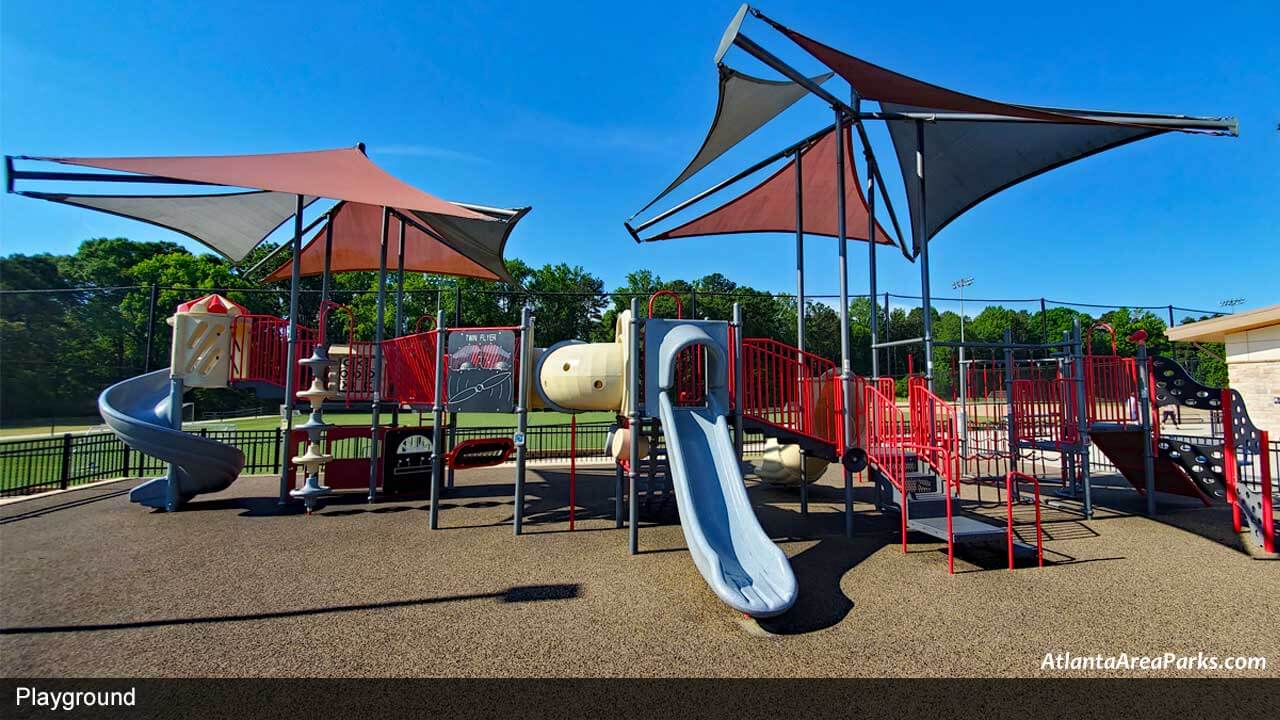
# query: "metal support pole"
[[325, 275], [800, 310], [398, 330], [738, 383], [290, 373], [926, 303], [962, 412], [172, 497], [151, 326], [453, 416], [400, 285], [871, 268], [1044, 323], [376, 373], [800, 299], [842, 239], [633, 505], [1144, 410], [1009, 372], [437, 409], [1082, 418], [522, 412]]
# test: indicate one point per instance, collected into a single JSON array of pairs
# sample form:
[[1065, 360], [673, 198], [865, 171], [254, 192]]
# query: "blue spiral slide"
[[138, 411]]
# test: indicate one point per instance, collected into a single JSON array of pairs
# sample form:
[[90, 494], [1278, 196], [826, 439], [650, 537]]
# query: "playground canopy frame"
[[476, 232], [920, 117]]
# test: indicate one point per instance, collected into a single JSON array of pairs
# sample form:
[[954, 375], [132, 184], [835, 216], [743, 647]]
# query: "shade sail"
[[876, 83], [232, 224], [974, 147], [967, 162], [357, 230], [343, 174], [744, 105], [771, 205]]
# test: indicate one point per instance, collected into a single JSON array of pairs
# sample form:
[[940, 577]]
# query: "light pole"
[[963, 416], [960, 285]]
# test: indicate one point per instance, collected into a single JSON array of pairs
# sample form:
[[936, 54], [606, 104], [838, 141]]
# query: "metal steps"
[[927, 508]]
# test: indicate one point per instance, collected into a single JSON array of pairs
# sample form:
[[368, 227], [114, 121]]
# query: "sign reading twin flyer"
[[481, 365]]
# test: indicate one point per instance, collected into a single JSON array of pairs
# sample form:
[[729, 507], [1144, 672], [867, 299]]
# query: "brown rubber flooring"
[[93, 586]]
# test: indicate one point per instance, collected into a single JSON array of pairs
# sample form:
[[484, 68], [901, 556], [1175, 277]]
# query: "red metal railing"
[[260, 348], [1008, 494], [691, 381], [1042, 412], [933, 425], [945, 460], [790, 389], [1111, 389], [410, 363], [886, 437]]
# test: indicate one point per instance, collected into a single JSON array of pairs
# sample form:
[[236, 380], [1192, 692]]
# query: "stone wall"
[[1253, 365]]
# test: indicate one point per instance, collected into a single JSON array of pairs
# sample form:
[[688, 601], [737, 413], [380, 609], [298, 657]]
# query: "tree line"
[[72, 324]]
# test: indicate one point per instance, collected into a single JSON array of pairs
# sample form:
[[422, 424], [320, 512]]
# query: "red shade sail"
[[344, 174], [475, 233], [771, 205], [357, 229], [876, 83], [970, 148]]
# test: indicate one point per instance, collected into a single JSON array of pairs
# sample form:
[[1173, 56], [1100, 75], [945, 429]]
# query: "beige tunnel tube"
[[576, 376]]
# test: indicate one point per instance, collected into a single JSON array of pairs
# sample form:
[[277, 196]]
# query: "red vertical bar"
[[1039, 533], [1229, 457]]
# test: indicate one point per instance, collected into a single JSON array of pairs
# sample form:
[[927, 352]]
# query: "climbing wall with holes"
[[1203, 458]]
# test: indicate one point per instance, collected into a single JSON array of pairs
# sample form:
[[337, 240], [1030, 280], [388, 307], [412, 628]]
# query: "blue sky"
[[585, 110]]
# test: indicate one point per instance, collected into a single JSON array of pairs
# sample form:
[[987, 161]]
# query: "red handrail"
[[791, 389], [671, 294], [886, 434], [1008, 496], [410, 365], [417, 325], [267, 340], [933, 424], [1100, 325]]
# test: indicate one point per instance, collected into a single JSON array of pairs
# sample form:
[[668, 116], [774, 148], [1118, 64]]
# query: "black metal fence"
[[38, 465]]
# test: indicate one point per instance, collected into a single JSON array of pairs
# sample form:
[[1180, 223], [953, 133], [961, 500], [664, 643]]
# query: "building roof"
[[1217, 329]]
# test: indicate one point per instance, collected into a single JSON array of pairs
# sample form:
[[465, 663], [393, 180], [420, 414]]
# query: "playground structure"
[[685, 391]]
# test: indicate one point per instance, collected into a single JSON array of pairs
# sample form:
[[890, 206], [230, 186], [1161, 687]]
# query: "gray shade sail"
[[975, 147], [482, 241], [231, 224], [966, 162], [744, 105]]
